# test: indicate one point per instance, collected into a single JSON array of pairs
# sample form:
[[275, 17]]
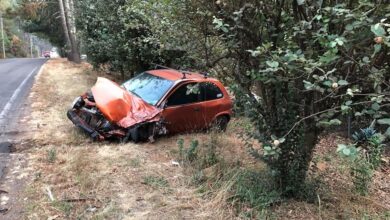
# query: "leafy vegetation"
[[364, 157], [14, 44], [51, 155]]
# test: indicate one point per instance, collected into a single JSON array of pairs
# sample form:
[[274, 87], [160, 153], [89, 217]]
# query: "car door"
[[183, 109], [211, 97]]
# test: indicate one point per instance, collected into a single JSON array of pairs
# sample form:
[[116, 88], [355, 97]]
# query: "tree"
[[41, 17], [64, 23], [117, 35], [70, 28], [301, 66]]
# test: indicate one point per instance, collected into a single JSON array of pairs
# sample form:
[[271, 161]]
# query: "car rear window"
[[149, 87], [209, 91]]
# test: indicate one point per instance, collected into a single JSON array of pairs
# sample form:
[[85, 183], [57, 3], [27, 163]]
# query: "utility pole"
[[38, 51], [31, 46], [2, 34]]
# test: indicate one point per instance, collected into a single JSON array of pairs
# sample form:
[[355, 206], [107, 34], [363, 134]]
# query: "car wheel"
[[220, 123], [141, 133], [135, 135]]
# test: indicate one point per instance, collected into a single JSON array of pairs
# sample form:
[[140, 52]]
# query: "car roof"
[[176, 75]]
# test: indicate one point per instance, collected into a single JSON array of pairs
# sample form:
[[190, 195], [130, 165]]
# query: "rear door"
[[183, 111]]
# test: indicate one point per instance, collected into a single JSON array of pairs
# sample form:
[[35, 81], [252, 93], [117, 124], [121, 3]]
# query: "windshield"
[[149, 87]]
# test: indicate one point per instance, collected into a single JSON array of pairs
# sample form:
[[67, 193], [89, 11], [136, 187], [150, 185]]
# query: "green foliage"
[[117, 35], [190, 154], [364, 157], [180, 144], [200, 156], [209, 155], [256, 189], [374, 150], [305, 70], [51, 155], [63, 206], [364, 134], [362, 172], [42, 18]]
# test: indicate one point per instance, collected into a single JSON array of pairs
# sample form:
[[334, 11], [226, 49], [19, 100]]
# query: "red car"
[[46, 54], [156, 102]]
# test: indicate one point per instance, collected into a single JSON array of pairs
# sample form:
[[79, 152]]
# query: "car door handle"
[[197, 109]]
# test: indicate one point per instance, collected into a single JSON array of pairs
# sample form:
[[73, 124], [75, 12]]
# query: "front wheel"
[[140, 133], [220, 124], [135, 134]]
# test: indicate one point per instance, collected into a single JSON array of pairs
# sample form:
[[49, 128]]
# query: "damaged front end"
[[110, 112], [85, 115]]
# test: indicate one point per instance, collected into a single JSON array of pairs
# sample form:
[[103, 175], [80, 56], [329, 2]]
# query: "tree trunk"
[[71, 24], [64, 25]]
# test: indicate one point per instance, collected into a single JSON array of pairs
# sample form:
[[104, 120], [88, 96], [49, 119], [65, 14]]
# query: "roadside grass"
[[189, 176]]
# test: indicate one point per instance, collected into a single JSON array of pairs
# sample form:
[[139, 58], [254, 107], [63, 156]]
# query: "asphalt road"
[[16, 80]]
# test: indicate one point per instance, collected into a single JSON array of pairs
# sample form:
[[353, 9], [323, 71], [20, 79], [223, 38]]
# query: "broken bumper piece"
[[79, 122]]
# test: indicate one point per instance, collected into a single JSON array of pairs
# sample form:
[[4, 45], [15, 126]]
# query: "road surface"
[[16, 80]]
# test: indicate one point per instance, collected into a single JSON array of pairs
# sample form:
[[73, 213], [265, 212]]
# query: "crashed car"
[[155, 102]]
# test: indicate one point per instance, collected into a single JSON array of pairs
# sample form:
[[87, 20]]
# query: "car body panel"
[[183, 118], [120, 106], [175, 75], [198, 115]]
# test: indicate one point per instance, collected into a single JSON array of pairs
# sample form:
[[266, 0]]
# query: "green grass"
[[155, 182], [51, 155], [64, 207]]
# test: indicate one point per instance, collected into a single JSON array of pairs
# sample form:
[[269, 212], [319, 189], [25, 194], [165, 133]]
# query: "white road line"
[[8, 106]]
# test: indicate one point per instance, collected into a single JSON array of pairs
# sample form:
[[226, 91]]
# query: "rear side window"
[[209, 91], [185, 94]]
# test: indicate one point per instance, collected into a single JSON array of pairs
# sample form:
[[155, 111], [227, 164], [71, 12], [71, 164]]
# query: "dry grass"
[[92, 180]]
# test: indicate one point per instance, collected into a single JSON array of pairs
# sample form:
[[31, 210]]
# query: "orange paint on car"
[[119, 106]]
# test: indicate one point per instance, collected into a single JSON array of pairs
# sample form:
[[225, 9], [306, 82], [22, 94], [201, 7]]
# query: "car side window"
[[210, 91], [185, 94]]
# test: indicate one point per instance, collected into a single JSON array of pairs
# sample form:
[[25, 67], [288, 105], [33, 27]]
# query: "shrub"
[[364, 157]]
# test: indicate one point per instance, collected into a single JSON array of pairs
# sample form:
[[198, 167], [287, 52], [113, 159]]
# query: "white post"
[[2, 34], [31, 46]]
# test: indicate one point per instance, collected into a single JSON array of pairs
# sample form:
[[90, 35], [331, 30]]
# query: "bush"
[[117, 35], [362, 172], [364, 157]]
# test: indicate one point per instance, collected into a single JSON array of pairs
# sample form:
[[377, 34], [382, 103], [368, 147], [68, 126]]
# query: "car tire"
[[141, 133], [135, 135], [220, 124]]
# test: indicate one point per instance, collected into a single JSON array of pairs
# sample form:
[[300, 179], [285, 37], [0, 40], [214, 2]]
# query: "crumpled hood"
[[120, 106]]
